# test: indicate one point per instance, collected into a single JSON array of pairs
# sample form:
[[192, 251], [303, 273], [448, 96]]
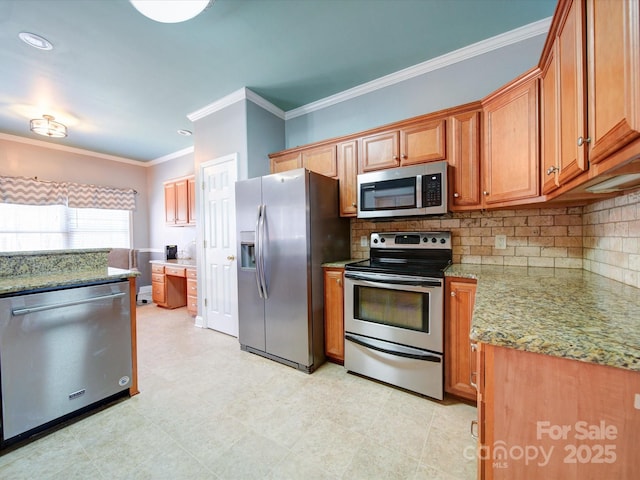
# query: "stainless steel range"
[[394, 311]]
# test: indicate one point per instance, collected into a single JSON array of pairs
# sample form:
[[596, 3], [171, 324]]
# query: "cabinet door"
[[170, 203], [423, 143], [347, 177], [191, 189], [182, 202], [380, 151], [510, 161], [460, 360], [289, 161], [334, 314], [464, 158], [613, 49], [321, 160], [572, 159], [549, 123]]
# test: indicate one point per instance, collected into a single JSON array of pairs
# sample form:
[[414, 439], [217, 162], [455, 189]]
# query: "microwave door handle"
[[258, 251], [415, 356], [418, 191]]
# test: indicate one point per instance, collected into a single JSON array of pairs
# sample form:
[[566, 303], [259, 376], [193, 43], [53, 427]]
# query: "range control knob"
[[375, 240], [425, 239], [382, 240], [433, 240], [442, 240]]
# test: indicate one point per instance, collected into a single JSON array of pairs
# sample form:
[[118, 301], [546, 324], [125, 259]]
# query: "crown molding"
[[170, 156], [241, 94], [541, 27], [66, 148]]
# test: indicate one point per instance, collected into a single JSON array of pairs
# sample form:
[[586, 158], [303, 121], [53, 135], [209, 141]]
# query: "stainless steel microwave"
[[404, 191]]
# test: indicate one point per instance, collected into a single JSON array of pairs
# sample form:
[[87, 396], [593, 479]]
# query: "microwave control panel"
[[432, 190]]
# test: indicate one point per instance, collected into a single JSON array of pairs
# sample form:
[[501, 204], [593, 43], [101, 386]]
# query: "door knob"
[[231, 257]]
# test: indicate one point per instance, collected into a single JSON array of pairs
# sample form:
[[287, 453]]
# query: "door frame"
[[201, 320]]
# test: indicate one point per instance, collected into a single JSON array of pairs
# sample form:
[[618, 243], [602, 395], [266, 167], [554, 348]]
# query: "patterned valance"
[[31, 191]]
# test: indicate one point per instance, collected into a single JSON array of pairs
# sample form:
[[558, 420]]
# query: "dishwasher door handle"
[[52, 306]]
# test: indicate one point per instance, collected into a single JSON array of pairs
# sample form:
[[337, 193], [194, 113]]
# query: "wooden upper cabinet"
[[191, 188], [180, 202], [321, 160], [380, 151], [464, 160], [510, 157], [347, 176], [563, 104], [422, 143], [613, 50], [170, 203], [288, 161]]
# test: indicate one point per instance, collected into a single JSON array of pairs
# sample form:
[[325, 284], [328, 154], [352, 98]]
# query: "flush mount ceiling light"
[[36, 41], [185, 133], [170, 11], [48, 127]]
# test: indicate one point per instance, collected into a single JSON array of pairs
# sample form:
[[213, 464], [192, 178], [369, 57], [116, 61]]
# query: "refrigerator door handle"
[[258, 251], [263, 277]]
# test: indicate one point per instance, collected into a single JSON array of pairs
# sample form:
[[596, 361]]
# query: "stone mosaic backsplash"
[[602, 237], [45, 262]]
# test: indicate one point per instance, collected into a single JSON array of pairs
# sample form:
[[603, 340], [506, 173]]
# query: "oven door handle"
[[427, 357], [394, 281]]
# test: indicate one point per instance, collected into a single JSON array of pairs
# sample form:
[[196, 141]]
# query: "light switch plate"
[[636, 404], [364, 241], [501, 242]]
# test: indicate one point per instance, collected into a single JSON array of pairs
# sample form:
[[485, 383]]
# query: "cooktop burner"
[[407, 253]]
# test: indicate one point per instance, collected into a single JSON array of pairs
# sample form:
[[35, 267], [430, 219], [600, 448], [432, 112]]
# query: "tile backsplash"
[[603, 237]]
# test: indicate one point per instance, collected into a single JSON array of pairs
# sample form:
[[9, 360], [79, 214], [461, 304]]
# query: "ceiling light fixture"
[[170, 11], [48, 127], [36, 41], [185, 133]]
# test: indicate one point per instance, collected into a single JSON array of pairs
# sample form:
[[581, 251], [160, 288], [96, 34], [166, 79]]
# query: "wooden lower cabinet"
[[192, 291], [459, 357], [543, 417], [334, 314]]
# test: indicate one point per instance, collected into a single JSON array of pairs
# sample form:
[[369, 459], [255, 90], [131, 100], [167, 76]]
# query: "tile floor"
[[208, 410]]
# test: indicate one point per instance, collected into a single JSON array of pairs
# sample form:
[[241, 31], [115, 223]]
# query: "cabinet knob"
[[485, 193], [453, 294], [582, 141], [474, 429], [231, 258], [395, 157], [354, 204], [456, 195], [552, 170], [339, 281], [404, 155]]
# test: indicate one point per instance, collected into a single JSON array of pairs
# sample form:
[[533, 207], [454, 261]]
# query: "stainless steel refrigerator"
[[288, 225]]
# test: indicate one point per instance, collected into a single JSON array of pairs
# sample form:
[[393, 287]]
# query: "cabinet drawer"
[[157, 268], [175, 271], [192, 273], [157, 278], [192, 287]]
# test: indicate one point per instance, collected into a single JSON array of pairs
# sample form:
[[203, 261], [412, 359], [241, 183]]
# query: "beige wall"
[[603, 237]]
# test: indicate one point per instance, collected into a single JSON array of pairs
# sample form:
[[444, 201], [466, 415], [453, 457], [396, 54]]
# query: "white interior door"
[[220, 277]]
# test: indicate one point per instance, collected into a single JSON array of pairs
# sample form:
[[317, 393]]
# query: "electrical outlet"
[[636, 403], [501, 242], [364, 241]]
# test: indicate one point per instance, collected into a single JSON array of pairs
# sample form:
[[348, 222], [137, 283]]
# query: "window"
[[57, 227]]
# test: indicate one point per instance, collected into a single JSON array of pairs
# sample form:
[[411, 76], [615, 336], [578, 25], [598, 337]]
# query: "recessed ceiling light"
[[185, 133], [35, 41]]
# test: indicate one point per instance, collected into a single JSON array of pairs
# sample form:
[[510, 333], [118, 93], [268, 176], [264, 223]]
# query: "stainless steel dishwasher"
[[61, 352]]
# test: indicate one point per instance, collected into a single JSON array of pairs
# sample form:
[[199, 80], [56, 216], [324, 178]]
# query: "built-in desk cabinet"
[[180, 201], [168, 286], [192, 291]]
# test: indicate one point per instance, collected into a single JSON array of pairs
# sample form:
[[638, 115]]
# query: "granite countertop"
[[45, 281], [567, 313], [339, 263], [180, 262]]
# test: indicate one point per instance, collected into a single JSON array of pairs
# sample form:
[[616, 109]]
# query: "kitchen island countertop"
[[569, 313]]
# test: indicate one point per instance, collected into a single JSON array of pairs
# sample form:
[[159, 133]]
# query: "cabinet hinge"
[[205, 302], [202, 185]]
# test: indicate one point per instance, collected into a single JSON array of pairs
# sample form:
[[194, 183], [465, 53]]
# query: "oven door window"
[[397, 308], [388, 195]]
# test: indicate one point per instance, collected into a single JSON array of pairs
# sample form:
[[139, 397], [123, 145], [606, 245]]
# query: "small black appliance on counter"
[[171, 252]]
